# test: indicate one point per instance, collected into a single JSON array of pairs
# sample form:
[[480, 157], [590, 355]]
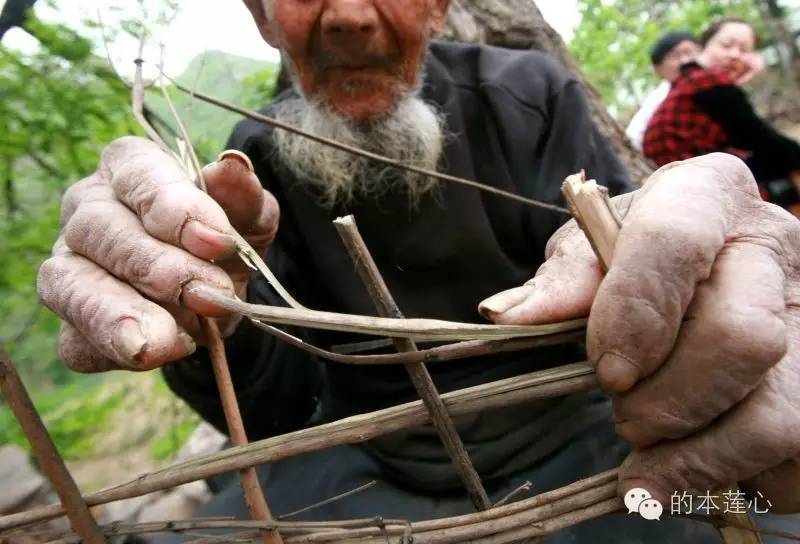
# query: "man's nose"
[[349, 18]]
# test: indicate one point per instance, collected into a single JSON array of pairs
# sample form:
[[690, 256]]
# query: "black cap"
[[667, 43]]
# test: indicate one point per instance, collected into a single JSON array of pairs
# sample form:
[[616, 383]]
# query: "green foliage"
[[60, 107], [76, 415], [612, 43]]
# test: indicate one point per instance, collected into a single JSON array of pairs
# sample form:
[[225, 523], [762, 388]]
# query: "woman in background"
[[707, 112]]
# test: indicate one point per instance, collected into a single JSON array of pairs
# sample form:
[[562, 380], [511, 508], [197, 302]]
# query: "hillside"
[[239, 80]]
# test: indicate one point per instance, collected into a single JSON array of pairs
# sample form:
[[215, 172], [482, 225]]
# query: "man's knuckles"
[[115, 240]]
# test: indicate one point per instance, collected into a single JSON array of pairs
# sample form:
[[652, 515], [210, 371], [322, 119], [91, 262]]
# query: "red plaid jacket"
[[679, 129]]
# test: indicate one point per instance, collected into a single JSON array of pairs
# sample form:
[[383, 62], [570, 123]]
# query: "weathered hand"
[[136, 235], [695, 329]]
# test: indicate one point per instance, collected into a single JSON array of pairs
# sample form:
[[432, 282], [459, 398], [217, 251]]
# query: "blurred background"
[[64, 70]]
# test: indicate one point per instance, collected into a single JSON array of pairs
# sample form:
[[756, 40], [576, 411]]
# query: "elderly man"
[[694, 331]]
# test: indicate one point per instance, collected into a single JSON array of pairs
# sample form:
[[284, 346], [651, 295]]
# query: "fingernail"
[[503, 302], [128, 340], [206, 242], [236, 155], [616, 372], [188, 342], [196, 295]]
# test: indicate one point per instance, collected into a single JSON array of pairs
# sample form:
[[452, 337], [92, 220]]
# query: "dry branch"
[[50, 461], [416, 328], [420, 378], [253, 494], [543, 513], [448, 352], [544, 384], [362, 152]]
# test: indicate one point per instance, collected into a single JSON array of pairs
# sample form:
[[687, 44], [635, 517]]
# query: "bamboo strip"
[[448, 352], [416, 328]]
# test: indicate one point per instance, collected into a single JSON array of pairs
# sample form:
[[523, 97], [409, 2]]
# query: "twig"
[[592, 211], [253, 494], [137, 100], [335, 498], [417, 328], [447, 352], [524, 488], [50, 461], [363, 153], [516, 390], [420, 378]]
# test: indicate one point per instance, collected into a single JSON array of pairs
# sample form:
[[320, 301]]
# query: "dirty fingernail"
[[236, 155], [503, 302], [616, 373], [128, 341], [206, 242]]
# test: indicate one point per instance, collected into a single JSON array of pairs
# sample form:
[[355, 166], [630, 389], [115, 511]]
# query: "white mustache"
[[412, 133]]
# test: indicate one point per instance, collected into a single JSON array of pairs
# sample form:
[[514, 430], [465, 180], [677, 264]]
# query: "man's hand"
[[695, 329], [136, 236]]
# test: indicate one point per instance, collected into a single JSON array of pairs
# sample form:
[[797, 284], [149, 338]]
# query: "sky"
[[201, 25]]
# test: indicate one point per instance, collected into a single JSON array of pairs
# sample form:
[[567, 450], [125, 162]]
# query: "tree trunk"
[[776, 18], [519, 24]]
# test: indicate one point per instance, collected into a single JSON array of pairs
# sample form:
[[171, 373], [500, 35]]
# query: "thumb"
[[232, 182], [563, 288], [251, 210]]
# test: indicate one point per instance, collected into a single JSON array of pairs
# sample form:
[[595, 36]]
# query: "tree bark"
[[519, 24], [776, 17]]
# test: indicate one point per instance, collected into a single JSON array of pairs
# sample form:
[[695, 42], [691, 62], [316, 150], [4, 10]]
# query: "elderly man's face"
[[358, 57]]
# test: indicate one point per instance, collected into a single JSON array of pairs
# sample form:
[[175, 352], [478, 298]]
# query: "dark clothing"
[[517, 122], [706, 112]]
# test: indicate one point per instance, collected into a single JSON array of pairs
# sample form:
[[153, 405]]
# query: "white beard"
[[411, 133]]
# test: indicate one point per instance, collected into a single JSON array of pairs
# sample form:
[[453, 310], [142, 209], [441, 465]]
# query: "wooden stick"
[[329, 500], [539, 385], [51, 463], [448, 352], [417, 328], [553, 504], [596, 217], [362, 152], [253, 494], [420, 378], [589, 204]]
